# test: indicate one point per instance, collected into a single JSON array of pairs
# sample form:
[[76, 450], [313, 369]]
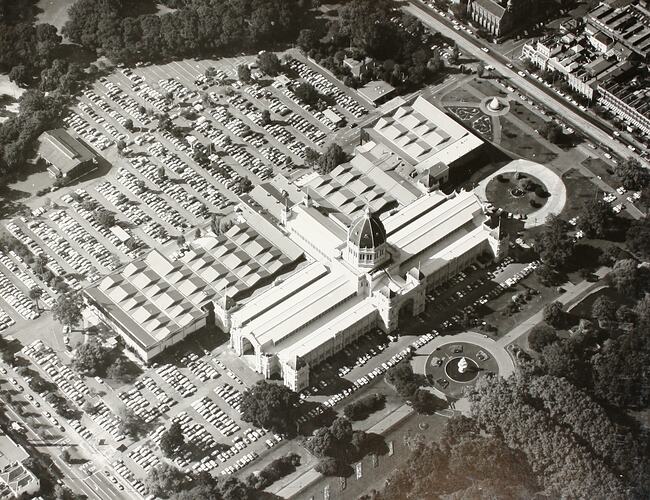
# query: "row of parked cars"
[[90, 134], [17, 299], [326, 87], [79, 203], [37, 250], [132, 212], [178, 381], [152, 200], [87, 242]]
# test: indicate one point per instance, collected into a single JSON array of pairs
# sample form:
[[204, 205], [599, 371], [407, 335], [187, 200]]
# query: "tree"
[[266, 117], [331, 158], [341, 429], [65, 456], [245, 184], [105, 218], [269, 405], [128, 124], [552, 132], [91, 358], [311, 157], [328, 466], [164, 480], [307, 40], [480, 69], [625, 277], [172, 440], [68, 309], [554, 315], [540, 336], [637, 238], [35, 294], [460, 11], [633, 175], [131, 424], [244, 73], [594, 218], [19, 74], [603, 309], [360, 409], [307, 93], [269, 63], [554, 244], [425, 402], [119, 370], [402, 377]]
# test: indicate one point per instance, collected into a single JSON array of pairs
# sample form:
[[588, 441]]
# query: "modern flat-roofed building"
[[424, 137], [15, 478], [65, 156], [377, 92], [155, 302]]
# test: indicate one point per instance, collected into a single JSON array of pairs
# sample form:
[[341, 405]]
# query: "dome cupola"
[[366, 246]]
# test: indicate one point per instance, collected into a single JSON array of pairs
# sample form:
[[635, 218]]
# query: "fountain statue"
[[494, 105], [462, 365]]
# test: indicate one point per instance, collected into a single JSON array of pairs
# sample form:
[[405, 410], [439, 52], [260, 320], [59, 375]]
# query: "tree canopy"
[[270, 405], [68, 309]]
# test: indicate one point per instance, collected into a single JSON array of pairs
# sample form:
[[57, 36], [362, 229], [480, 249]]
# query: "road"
[[577, 118]]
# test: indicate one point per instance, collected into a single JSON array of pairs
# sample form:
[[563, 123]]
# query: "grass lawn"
[[486, 88], [601, 168], [459, 94], [579, 190], [520, 143], [499, 193], [497, 313], [531, 119]]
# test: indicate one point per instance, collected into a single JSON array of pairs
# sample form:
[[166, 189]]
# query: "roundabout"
[[516, 198], [440, 361]]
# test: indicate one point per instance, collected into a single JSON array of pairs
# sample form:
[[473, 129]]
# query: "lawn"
[[500, 189], [497, 310], [461, 95], [520, 143], [600, 168], [531, 119], [486, 88], [579, 191]]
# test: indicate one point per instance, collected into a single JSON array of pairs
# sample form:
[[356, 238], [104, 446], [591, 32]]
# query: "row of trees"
[[196, 27]]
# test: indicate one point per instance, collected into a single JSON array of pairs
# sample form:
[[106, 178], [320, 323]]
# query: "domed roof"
[[367, 231]]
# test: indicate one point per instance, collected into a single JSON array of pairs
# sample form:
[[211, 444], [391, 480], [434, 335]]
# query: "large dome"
[[367, 231]]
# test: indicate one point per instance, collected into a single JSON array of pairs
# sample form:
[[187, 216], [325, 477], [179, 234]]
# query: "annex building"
[[65, 156], [314, 264]]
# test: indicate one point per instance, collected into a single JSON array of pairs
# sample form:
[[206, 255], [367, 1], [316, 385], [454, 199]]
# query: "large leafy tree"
[[68, 309], [633, 175], [554, 244], [270, 405], [91, 358]]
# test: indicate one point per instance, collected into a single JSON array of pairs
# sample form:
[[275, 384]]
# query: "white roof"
[[435, 225]]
